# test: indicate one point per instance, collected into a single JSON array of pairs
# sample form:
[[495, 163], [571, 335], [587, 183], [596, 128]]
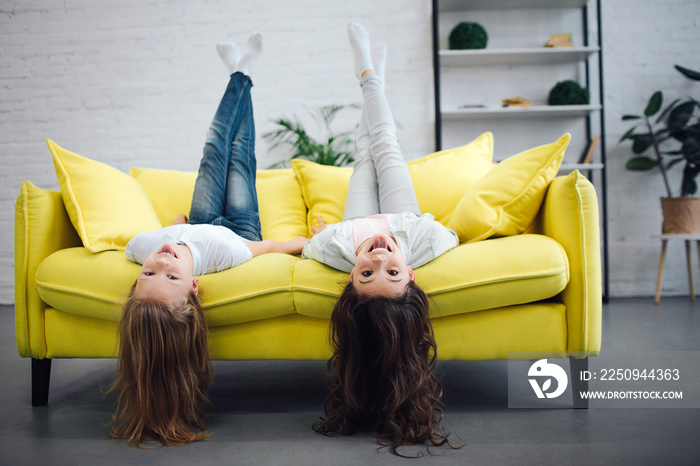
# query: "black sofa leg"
[[578, 366], [41, 375]]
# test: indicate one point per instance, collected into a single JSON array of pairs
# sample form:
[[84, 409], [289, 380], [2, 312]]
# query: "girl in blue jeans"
[[164, 364], [380, 373]]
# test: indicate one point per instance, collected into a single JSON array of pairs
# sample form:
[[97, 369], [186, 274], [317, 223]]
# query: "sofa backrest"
[[282, 208]]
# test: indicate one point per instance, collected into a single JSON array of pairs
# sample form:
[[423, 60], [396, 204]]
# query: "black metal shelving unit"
[[599, 110]]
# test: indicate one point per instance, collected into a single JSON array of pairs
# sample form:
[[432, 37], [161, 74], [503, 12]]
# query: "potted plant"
[[334, 149], [670, 138]]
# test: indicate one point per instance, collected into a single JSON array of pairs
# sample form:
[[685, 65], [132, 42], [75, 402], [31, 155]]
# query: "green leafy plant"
[[468, 36], [334, 149], [568, 93], [672, 138]]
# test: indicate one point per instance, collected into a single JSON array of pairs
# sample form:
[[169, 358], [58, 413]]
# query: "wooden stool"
[[687, 237]]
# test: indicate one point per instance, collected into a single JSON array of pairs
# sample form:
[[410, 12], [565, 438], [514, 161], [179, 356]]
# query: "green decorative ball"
[[468, 36], [568, 93]]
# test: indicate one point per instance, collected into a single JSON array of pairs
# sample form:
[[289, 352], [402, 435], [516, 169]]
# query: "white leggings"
[[380, 183]]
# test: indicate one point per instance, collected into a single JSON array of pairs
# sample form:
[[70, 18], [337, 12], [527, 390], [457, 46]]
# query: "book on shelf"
[[587, 154], [559, 40], [515, 102]]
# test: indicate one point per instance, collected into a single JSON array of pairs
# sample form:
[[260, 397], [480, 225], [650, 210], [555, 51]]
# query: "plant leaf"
[[641, 143], [665, 112], [654, 103], [680, 115], [694, 75], [691, 147], [629, 134], [631, 117], [641, 164], [675, 162]]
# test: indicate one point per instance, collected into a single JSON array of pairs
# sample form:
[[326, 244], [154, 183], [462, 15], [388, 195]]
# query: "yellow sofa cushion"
[[324, 189], [472, 277], [506, 200], [170, 191], [106, 206], [94, 285], [439, 180], [281, 206]]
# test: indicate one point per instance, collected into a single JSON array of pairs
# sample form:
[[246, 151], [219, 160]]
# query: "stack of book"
[[559, 40], [515, 102]]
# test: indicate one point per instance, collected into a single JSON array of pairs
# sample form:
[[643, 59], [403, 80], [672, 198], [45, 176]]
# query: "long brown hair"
[[163, 372], [381, 373]]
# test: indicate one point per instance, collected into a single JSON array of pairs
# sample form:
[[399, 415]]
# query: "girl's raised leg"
[[225, 192], [396, 193], [363, 195]]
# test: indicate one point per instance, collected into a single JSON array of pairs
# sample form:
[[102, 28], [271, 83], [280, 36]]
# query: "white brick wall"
[[132, 83]]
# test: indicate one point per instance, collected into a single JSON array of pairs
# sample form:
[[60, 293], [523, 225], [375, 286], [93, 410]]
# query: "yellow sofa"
[[537, 289]]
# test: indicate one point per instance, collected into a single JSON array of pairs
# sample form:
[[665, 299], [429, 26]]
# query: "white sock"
[[230, 54], [253, 51], [359, 40]]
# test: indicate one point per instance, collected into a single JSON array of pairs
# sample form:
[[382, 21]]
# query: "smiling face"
[[167, 274], [380, 268]]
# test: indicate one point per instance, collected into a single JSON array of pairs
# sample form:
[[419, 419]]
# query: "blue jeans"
[[224, 193]]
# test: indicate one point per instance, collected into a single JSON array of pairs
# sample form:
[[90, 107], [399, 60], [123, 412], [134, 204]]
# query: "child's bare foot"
[[180, 219]]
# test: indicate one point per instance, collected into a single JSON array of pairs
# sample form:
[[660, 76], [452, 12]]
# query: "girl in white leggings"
[[383, 235], [380, 374]]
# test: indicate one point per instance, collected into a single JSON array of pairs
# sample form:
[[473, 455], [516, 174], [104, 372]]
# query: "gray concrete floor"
[[262, 411]]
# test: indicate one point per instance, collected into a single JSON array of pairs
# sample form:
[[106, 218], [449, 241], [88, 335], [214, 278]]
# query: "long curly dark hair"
[[163, 372], [381, 373]]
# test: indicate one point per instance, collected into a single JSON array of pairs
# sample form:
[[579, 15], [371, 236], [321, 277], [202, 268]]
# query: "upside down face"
[[380, 268], [167, 274]]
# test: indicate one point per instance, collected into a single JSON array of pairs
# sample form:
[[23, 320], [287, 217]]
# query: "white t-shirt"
[[363, 228], [420, 239], [214, 247]]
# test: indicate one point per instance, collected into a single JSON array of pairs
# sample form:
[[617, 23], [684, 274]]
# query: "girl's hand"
[[180, 219], [295, 246], [318, 229]]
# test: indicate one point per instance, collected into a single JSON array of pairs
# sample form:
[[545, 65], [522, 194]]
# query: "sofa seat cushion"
[[79, 282], [472, 277]]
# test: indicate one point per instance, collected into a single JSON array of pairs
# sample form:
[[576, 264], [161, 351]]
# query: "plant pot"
[[681, 214]]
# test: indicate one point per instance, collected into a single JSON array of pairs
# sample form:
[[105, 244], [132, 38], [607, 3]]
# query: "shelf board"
[[516, 56], [569, 167], [457, 5], [539, 110]]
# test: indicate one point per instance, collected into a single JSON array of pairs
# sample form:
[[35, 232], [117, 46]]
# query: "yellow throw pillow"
[[505, 201], [170, 191], [281, 204], [325, 189], [441, 179], [106, 206]]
